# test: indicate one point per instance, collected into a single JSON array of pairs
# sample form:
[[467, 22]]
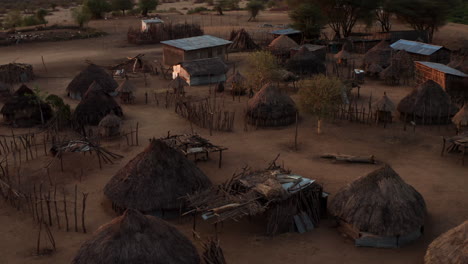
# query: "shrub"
[[197, 10]]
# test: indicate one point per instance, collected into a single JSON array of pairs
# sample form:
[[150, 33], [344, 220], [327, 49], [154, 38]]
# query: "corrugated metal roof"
[[152, 21], [443, 68], [287, 31], [415, 47], [194, 43], [205, 67]]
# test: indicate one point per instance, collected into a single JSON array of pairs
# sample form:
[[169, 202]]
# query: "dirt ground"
[[414, 155]]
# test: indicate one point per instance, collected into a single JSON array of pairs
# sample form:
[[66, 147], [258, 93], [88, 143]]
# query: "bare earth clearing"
[[415, 156]]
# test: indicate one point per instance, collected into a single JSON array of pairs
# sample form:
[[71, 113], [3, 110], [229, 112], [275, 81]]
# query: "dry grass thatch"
[[449, 248], [16, 73], [137, 238], [428, 102], [283, 43], [241, 41], [380, 203], [93, 73], [95, 105], [178, 84], [126, 87], [374, 69], [305, 62], [270, 107], [155, 180], [379, 54], [343, 55], [461, 118], [110, 120], [384, 104]]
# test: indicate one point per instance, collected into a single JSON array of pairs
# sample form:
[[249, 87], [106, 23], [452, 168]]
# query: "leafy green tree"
[[147, 5], [97, 7], [309, 19], [320, 96], [254, 7], [122, 5], [62, 111], [81, 15], [263, 68], [40, 15], [13, 19]]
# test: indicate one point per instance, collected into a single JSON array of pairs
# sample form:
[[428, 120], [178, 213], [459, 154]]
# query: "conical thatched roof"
[[384, 104], [379, 54], [428, 100], [95, 105], [305, 62], [283, 43], [342, 55], [92, 73], [236, 78], [137, 238], [391, 72], [374, 68], [405, 62], [241, 41], [461, 118], [449, 248], [270, 107], [126, 87], [155, 179], [110, 120], [380, 203]]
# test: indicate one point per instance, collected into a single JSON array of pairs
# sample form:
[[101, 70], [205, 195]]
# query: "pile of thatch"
[[94, 106], [93, 73], [25, 109], [449, 248], [380, 54], [126, 87], [241, 41], [380, 204], [109, 126], [137, 238], [427, 104], [155, 180], [271, 107], [461, 118], [237, 84], [305, 62], [16, 73]]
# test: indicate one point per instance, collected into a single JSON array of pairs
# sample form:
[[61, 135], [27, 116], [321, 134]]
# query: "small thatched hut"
[[427, 104], [380, 210], [305, 62], [109, 126], [449, 248], [237, 83], [342, 57], [137, 238], [12, 73], [154, 181], [96, 104], [383, 109], [241, 41], [374, 69], [461, 118], [379, 54], [93, 73], [126, 91], [270, 107], [282, 45], [178, 84], [24, 109]]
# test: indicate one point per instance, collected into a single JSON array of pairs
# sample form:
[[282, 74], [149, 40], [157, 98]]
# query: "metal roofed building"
[[422, 51], [194, 48], [146, 24], [292, 33]]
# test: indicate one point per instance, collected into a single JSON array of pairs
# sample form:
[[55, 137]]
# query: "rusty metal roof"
[[443, 68], [195, 43], [415, 47]]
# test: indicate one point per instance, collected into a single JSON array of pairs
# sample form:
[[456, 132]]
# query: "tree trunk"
[[123, 12], [319, 126], [144, 12]]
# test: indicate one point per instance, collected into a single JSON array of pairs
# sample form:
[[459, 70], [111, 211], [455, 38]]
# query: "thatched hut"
[[374, 69], [237, 83], [391, 74], [137, 238], [110, 125], [93, 73], [25, 109], [282, 45], [427, 104], [449, 248], [94, 106], [178, 84], [379, 54], [270, 107], [305, 62], [380, 210], [241, 41], [154, 181], [461, 118], [342, 57], [383, 109], [5, 91], [126, 91], [12, 73]]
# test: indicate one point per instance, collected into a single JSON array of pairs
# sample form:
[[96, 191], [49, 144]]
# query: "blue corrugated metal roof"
[[287, 31], [415, 47], [443, 68], [194, 43], [152, 20]]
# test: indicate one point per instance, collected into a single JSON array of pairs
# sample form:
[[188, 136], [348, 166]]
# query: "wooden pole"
[[56, 208], [85, 195], [295, 134], [65, 209], [43, 63], [76, 217]]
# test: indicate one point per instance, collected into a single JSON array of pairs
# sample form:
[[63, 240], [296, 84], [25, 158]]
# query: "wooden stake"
[[65, 209], [85, 195], [76, 216]]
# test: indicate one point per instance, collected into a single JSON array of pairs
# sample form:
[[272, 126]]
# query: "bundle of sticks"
[[212, 252]]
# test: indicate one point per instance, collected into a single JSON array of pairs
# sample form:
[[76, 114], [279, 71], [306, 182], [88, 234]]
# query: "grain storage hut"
[[422, 51], [200, 72], [194, 48]]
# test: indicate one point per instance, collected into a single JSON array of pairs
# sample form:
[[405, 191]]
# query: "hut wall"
[[424, 73], [201, 80], [75, 95], [406, 239], [370, 240], [172, 55]]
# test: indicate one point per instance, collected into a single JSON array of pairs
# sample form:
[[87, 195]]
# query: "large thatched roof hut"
[[93, 73], [380, 210], [137, 238], [236, 83], [305, 62], [379, 54], [383, 109], [270, 107], [281, 46], [241, 41], [94, 106], [427, 104], [449, 248], [155, 180], [24, 109]]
